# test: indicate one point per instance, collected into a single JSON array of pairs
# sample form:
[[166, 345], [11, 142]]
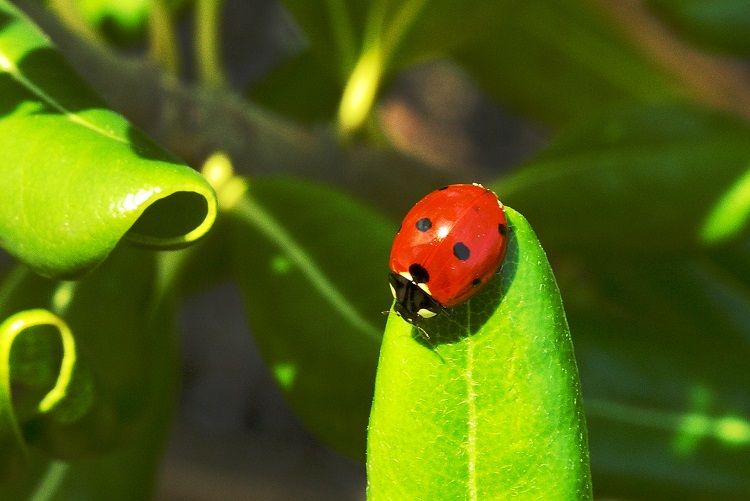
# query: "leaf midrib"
[[6, 65], [472, 418], [256, 215]]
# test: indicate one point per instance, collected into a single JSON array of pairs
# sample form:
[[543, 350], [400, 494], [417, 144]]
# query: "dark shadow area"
[[5, 20], [47, 69], [146, 148], [172, 216]]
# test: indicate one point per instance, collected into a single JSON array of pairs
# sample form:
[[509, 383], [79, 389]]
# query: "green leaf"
[[489, 405], [662, 346], [76, 176], [720, 25], [652, 179], [312, 266]]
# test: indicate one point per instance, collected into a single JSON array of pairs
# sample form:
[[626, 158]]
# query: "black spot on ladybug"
[[502, 229], [419, 274], [443, 188], [476, 282], [424, 224], [461, 251]]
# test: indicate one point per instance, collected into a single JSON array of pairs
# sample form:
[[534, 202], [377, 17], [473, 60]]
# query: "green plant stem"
[[207, 43], [399, 26], [162, 42], [343, 36]]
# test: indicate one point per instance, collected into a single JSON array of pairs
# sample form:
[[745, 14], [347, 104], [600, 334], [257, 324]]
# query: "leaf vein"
[[8, 66]]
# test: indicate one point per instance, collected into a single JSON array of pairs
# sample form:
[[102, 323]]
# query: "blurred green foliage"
[[640, 199]]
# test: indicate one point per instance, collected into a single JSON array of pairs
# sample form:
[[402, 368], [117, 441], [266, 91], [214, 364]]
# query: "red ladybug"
[[449, 246]]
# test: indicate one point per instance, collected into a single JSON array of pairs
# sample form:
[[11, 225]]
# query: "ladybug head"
[[413, 303]]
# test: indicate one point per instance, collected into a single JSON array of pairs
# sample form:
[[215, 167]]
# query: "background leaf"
[[489, 405], [720, 25], [557, 62], [311, 265], [653, 174], [76, 176], [662, 348]]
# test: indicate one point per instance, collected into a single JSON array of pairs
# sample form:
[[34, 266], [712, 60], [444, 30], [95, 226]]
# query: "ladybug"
[[448, 247]]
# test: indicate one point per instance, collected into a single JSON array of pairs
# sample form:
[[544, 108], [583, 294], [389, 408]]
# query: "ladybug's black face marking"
[[424, 224], [461, 251], [502, 229], [419, 274], [412, 303]]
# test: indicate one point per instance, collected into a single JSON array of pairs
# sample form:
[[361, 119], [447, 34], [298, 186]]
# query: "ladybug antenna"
[[424, 333]]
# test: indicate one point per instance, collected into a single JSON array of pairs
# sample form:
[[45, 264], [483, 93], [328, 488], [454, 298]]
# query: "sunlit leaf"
[[489, 405]]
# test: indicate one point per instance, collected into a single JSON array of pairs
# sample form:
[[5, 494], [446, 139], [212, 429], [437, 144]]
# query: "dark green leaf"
[[76, 176], [123, 334], [559, 61], [662, 347], [642, 180], [721, 25], [300, 88], [312, 265], [489, 405]]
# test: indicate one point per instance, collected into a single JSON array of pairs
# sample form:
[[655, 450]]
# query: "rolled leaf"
[[77, 177]]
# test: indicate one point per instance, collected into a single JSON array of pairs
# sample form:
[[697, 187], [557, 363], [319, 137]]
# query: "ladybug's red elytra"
[[449, 246]]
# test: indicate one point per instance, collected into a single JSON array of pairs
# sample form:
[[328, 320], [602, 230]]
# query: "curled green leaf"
[[484, 403], [77, 177], [12, 443]]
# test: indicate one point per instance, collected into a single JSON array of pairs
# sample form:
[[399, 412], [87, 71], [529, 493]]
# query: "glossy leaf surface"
[[77, 177], [489, 406]]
